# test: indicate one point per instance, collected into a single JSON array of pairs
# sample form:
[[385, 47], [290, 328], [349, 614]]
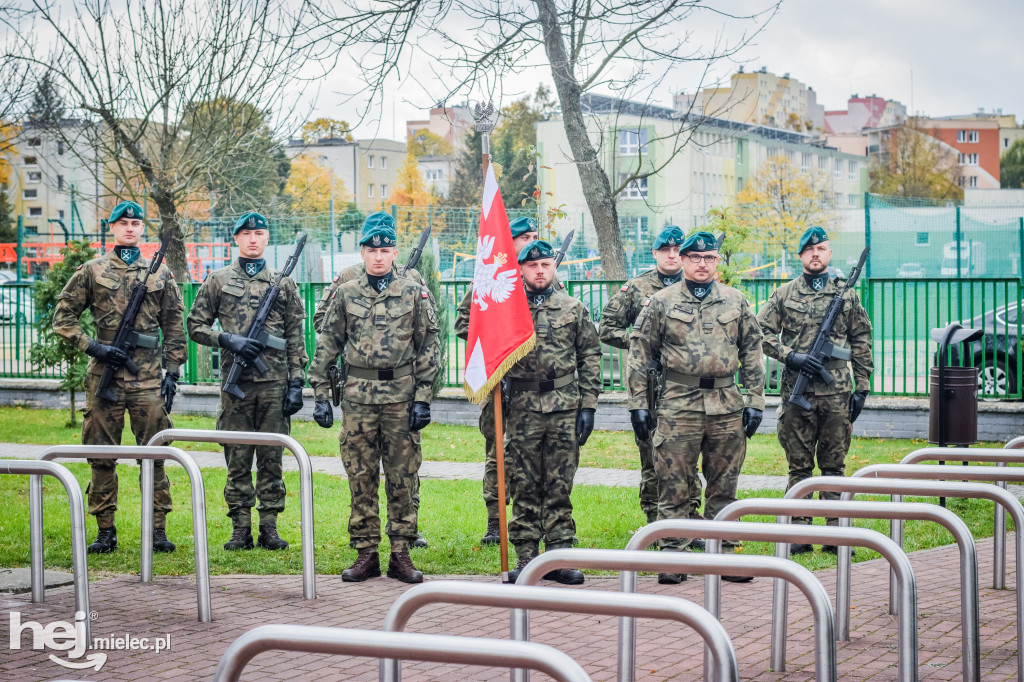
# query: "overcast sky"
[[938, 57]]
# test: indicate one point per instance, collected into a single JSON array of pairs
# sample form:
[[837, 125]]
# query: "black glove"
[[293, 397], [643, 423], [109, 355], [323, 414], [419, 416], [857, 404], [244, 347], [804, 363], [751, 420], [584, 425], [168, 387]]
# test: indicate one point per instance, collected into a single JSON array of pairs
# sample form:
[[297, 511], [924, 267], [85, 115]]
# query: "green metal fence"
[[902, 312]]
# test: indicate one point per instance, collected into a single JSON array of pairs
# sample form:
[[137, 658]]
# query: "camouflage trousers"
[[103, 425], [544, 466], [681, 437], [372, 435], [821, 433], [491, 463], [649, 485], [259, 410]]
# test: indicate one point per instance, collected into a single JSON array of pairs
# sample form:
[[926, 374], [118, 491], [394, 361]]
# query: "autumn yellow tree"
[[425, 143], [780, 202], [410, 195], [309, 187], [326, 127], [912, 163]]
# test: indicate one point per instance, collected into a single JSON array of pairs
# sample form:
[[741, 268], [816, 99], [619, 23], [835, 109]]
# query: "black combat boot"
[[420, 542], [566, 576], [671, 578], [367, 565], [493, 534], [800, 548], [160, 541], [269, 539], [106, 541], [524, 558], [400, 568], [241, 538]]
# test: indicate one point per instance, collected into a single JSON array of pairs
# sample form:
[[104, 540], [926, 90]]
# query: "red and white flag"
[[500, 325]]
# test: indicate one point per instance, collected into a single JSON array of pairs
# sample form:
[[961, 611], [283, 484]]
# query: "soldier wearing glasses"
[[704, 332]]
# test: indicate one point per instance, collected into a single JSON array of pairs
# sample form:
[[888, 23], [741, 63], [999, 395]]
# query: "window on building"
[[837, 169], [34, 176], [972, 136], [35, 142], [31, 229], [60, 182], [369, 190], [369, 161], [822, 163], [805, 162], [837, 199], [383, 165], [851, 200], [961, 136], [35, 212], [60, 214], [29, 194], [60, 147], [922, 239], [383, 189], [973, 159], [973, 181], [632, 141], [851, 170], [30, 161], [636, 189], [1006, 143]]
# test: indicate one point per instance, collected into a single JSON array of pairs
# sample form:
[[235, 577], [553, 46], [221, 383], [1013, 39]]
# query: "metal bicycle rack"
[[79, 564], [628, 562], [958, 473], [719, 646], [143, 452], [897, 487], [784, 509], [404, 645], [772, 532], [239, 438], [1001, 457]]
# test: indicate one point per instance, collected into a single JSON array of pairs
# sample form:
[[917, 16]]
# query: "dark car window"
[[1011, 314]]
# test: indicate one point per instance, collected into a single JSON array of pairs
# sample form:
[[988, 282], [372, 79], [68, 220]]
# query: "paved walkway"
[[437, 470], [665, 651]]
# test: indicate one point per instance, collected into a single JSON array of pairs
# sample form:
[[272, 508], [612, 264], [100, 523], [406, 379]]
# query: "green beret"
[[521, 225], [813, 235], [379, 231], [250, 221], [126, 209], [699, 241], [378, 219], [670, 236], [536, 250]]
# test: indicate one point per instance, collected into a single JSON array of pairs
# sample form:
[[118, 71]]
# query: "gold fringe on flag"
[[506, 364]]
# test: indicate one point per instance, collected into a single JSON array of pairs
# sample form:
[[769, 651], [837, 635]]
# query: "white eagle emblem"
[[488, 281], [252, 221], [700, 243], [130, 211], [376, 240]]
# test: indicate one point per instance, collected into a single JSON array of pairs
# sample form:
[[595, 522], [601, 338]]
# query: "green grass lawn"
[[452, 517], [446, 443]]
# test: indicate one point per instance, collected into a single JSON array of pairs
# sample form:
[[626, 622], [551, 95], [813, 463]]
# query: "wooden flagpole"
[[485, 120]]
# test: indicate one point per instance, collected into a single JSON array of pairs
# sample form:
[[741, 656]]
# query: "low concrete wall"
[[881, 418]]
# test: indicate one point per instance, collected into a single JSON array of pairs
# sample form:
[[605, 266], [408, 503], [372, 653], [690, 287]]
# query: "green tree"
[[50, 349], [8, 232], [513, 146], [47, 105], [1011, 167], [733, 264], [912, 163], [467, 187]]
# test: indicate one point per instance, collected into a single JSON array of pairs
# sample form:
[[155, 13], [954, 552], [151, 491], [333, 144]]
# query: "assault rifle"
[[566, 243], [126, 338], [414, 255], [258, 329], [823, 349], [654, 389]]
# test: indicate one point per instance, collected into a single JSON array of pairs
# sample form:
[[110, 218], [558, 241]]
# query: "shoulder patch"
[[423, 293], [647, 302], [624, 287], [336, 278], [80, 266]]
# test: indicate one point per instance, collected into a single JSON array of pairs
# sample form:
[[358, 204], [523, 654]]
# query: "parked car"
[[16, 305], [997, 352], [911, 270]]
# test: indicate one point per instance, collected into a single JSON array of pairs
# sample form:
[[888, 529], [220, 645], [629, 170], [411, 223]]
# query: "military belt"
[[543, 386], [379, 374], [142, 340], [700, 382]]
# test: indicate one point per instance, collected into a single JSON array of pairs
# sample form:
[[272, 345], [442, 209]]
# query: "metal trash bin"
[[953, 407]]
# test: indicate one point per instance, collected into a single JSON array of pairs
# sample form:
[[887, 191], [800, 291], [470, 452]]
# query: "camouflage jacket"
[[462, 311], [231, 297], [795, 311], [621, 312], [566, 343], [104, 285], [347, 275], [379, 330], [713, 338]]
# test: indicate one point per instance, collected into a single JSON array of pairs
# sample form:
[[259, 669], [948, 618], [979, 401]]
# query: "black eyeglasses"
[[697, 258]]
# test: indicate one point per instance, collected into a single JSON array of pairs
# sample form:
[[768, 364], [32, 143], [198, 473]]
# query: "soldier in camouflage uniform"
[[618, 318], [232, 296], [554, 391], [103, 285], [386, 328], [704, 332], [524, 231], [355, 272], [795, 310]]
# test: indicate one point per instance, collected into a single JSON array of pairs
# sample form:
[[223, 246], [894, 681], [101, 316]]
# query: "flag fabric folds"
[[500, 324]]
